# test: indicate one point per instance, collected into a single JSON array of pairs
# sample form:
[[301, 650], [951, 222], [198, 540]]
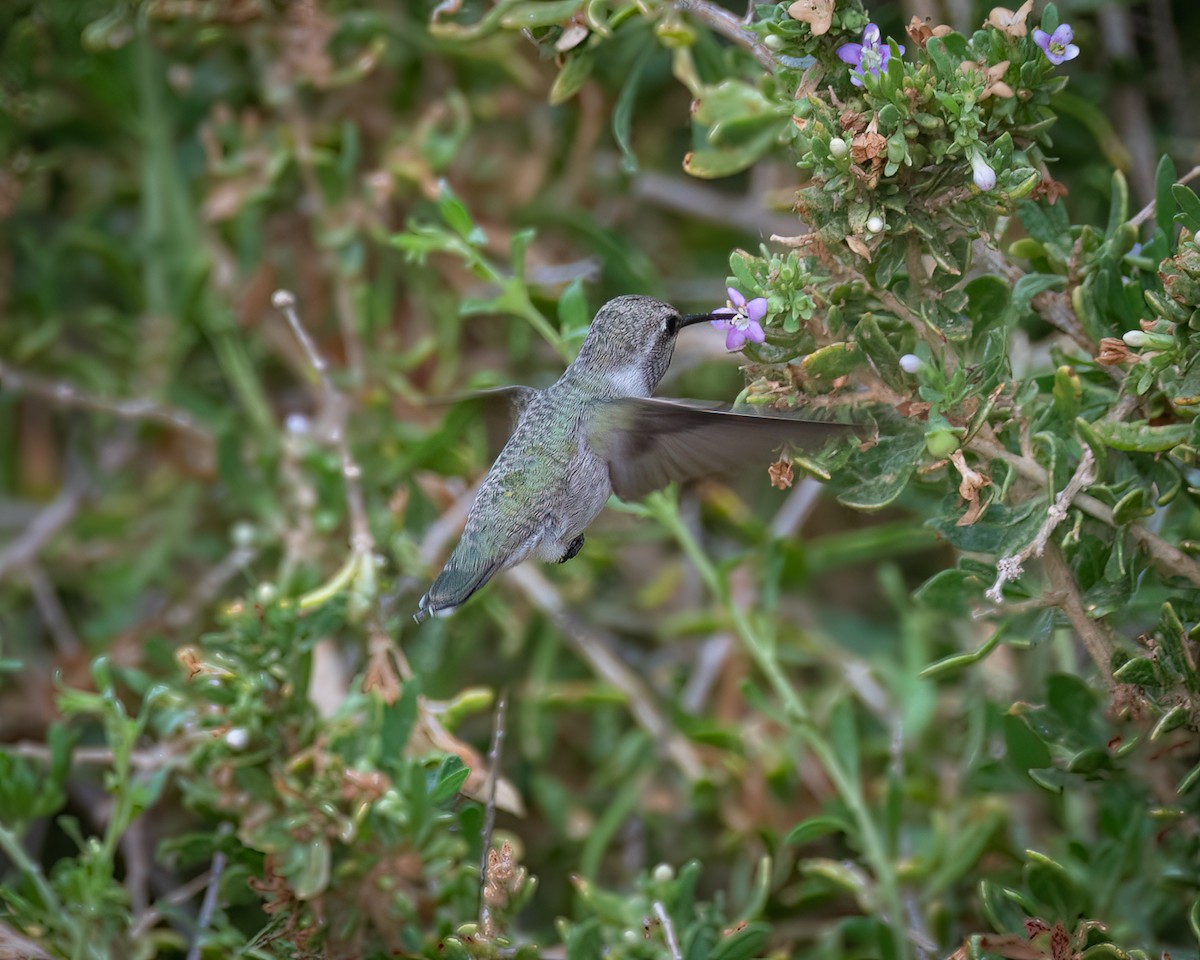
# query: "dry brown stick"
[[63, 394], [595, 648], [728, 25], [1095, 636]]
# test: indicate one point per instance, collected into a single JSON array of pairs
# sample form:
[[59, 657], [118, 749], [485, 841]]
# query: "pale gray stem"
[[668, 927], [729, 26], [489, 811]]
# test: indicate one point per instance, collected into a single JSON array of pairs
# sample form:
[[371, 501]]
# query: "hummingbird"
[[594, 432]]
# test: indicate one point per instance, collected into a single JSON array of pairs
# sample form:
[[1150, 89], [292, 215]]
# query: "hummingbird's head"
[[630, 343]]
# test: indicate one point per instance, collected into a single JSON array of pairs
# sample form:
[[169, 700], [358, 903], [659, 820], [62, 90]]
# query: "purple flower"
[[870, 56], [1057, 45], [743, 320]]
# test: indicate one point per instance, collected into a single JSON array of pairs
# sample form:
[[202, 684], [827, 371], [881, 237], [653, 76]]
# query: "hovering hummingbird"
[[597, 431]]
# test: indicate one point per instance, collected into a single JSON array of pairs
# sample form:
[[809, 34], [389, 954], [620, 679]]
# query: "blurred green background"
[[166, 464]]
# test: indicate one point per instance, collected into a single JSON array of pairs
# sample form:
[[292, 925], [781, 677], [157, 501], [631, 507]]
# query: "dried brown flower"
[[818, 14]]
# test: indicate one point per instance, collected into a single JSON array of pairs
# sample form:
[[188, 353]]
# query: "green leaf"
[[814, 828], [1118, 205], [457, 218], [398, 721], [572, 76], [622, 118], [742, 944], [1164, 200], [843, 736], [1139, 436], [451, 776], [1030, 285], [1189, 207], [988, 300], [573, 313], [891, 464], [833, 361], [1024, 748]]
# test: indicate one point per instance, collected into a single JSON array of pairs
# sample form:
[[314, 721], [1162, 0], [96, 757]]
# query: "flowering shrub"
[[706, 738]]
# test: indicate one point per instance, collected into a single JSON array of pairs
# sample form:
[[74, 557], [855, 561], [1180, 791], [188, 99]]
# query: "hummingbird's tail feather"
[[460, 578]]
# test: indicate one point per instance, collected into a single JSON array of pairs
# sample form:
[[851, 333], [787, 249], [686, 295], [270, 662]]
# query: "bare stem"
[[595, 648], [337, 410], [1095, 636], [343, 298], [489, 811], [44, 527], [64, 394], [1168, 557], [208, 906], [1010, 567], [728, 25], [668, 927]]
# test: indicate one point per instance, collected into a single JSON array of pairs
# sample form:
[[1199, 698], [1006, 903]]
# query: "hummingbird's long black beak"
[[689, 318]]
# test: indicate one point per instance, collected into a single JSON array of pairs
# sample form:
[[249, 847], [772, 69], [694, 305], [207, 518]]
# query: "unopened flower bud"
[[985, 176], [773, 41], [838, 147], [875, 224], [911, 363]]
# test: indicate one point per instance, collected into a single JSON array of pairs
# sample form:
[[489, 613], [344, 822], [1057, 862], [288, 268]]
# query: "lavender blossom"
[[743, 320], [1057, 46], [870, 56]]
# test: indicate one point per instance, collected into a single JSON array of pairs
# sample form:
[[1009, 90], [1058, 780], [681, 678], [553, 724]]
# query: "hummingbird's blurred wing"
[[650, 442]]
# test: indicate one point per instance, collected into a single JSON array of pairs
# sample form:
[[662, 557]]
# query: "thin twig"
[[58, 624], [343, 297], [595, 648], [1149, 209], [337, 410], [668, 927], [728, 25], [1095, 636], [209, 586], [489, 810], [52, 519], [181, 894], [149, 760], [1168, 557], [1011, 567], [208, 905], [64, 394]]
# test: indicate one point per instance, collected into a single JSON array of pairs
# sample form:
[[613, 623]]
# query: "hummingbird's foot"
[[574, 548]]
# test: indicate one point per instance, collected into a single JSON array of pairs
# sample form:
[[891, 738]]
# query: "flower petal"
[[754, 332], [850, 53], [1063, 35], [756, 309], [1041, 38], [735, 339], [1070, 52], [735, 297]]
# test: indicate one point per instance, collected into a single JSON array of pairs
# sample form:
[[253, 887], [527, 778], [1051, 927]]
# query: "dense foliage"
[[244, 246]]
